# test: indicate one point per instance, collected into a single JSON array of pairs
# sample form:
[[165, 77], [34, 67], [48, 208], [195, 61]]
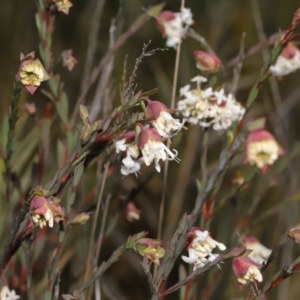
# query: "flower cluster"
[[287, 62], [262, 149], [145, 145], [31, 72], [208, 107], [246, 270], [200, 246], [259, 253], [44, 212], [7, 294], [174, 25]]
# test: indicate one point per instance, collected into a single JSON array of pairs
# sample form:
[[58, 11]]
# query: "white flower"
[[259, 253], [131, 148], [174, 25], [227, 113], [287, 62], [153, 149], [6, 294], [199, 79], [209, 108], [165, 124], [253, 274], [129, 166], [184, 89], [246, 270], [161, 119], [121, 145], [157, 150], [201, 247]]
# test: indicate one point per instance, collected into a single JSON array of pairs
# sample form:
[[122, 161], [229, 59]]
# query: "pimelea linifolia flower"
[[200, 246], [259, 253], [262, 149], [44, 212], [31, 72], [150, 248], [7, 294], [161, 119], [132, 212], [294, 233], [207, 62], [63, 5], [174, 25], [246, 270], [153, 149], [69, 60], [127, 144], [209, 108], [287, 62]]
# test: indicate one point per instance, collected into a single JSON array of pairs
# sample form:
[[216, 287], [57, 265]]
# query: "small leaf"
[[153, 11]]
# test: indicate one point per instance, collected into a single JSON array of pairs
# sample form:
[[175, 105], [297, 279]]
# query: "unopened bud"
[[80, 219], [206, 61], [294, 233], [85, 133], [84, 114]]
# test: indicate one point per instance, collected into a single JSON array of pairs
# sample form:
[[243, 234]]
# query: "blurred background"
[[276, 194]]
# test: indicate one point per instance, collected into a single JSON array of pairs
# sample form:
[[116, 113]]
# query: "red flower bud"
[[206, 61]]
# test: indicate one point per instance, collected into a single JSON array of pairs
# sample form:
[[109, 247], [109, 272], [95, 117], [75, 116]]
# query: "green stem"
[[12, 120], [78, 172]]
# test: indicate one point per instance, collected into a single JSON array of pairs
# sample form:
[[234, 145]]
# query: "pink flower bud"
[[206, 61], [161, 118], [150, 248], [294, 233], [147, 134], [163, 18], [289, 51], [155, 108], [296, 18], [132, 212], [246, 270]]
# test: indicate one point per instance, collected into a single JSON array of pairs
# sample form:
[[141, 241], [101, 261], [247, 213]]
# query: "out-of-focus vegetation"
[[267, 204]]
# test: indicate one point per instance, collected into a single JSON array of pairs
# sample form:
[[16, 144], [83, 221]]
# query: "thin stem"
[[92, 44], [13, 118], [265, 53], [163, 197], [166, 168], [99, 244], [89, 257], [203, 162]]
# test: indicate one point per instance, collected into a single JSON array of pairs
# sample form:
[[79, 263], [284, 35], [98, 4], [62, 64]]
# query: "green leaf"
[[153, 11]]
